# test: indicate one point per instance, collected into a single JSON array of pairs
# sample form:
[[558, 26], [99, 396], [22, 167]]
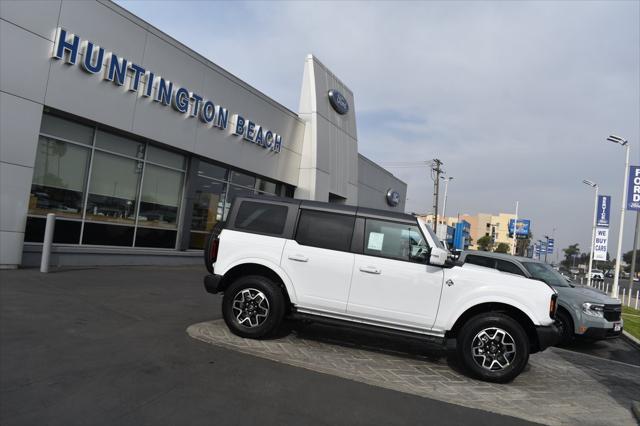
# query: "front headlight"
[[593, 309]]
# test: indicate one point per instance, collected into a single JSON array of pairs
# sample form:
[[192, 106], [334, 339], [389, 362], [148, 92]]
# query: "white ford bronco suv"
[[372, 269]]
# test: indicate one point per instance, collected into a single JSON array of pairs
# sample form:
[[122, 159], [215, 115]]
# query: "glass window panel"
[[265, 218], [119, 144], [266, 186], [65, 231], [161, 191], [243, 179], [325, 230], [113, 189], [505, 266], [59, 178], [211, 170], [395, 241], [167, 158], [157, 238], [107, 235], [56, 126], [208, 208]]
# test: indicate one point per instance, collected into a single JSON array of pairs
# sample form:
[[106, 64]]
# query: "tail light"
[[553, 306], [213, 250]]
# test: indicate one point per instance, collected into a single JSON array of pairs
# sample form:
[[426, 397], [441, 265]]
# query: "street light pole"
[[546, 248], [446, 189], [616, 278], [633, 254], [593, 226]]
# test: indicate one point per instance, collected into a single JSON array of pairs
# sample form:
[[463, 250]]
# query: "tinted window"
[[261, 217], [543, 272], [325, 230], [394, 240], [506, 266], [481, 261]]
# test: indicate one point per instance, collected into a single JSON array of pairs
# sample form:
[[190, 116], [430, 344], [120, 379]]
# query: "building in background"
[[139, 144]]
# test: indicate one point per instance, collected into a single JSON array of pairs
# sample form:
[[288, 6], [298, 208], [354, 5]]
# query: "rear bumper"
[[547, 336], [212, 283]]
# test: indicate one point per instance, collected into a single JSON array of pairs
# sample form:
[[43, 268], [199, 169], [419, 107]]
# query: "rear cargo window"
[[264, 218]]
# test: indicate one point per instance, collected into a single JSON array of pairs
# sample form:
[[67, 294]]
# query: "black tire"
[[565, 323], [253, 326], [515, 337]]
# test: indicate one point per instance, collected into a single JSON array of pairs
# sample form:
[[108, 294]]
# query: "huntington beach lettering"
[[145, 83]]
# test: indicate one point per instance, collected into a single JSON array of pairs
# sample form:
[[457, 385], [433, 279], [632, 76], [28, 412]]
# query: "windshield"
[[543, 272]]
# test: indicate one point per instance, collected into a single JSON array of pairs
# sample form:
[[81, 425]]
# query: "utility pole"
[[633, 254], [435, 175]]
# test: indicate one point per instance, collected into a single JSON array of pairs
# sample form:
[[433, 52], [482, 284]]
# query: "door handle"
[[370, 270], [299, 258]]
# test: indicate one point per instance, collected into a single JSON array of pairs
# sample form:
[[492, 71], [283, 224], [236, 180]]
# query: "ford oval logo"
[[393, 197], [338, 102]]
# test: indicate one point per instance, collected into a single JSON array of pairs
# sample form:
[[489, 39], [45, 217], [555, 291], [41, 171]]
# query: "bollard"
[[607, 290], [48, 241], [623, 294], [637, 297], [581, 280]]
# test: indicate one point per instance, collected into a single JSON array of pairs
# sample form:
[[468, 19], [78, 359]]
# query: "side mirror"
[[438, 256]]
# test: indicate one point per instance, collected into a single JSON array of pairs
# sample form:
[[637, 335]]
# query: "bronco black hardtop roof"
[[335, 208]]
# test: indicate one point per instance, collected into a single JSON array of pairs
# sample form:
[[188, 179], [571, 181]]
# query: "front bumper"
[[547, 336], [598, 333], [212, 283]]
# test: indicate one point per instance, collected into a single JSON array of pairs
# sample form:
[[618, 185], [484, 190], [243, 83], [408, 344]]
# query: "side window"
[[265, 218], [505, 266], [395, 240], [325, 230], [481, 261]]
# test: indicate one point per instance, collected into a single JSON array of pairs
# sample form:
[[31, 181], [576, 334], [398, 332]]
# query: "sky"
[[516, 98]]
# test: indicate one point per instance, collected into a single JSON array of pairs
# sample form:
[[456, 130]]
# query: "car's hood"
[[580, 294]]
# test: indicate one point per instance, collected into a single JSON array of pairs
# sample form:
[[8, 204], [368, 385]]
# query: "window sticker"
[[375, 241]]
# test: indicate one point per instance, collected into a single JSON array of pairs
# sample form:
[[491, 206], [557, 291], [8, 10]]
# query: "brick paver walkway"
[[558, 386]]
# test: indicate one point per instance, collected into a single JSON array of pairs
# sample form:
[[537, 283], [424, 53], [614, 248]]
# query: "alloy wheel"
[[250, 307], [493, 349]]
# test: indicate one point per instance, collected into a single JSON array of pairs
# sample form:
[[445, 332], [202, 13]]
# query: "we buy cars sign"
[[633, 189]]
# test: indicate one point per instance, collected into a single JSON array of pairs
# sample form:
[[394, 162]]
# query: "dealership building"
[[139, 145]]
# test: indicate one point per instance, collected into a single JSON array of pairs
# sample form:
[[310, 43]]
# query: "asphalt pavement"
[[106, 346]]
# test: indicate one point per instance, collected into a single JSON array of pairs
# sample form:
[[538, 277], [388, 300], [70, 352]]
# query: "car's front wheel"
[[253, 306], [565, 324], [493, 347]]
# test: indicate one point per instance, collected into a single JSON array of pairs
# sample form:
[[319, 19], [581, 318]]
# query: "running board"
[[295, 315]]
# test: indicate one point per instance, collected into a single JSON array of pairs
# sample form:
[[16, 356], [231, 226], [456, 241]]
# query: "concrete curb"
[[629, 338]]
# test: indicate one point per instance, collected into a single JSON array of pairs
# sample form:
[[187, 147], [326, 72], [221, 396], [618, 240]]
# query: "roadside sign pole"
[[616, 278], [515, 228], [593, 235], [633, 253]]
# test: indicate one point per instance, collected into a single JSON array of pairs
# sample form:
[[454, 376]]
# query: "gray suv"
[[582, 311]]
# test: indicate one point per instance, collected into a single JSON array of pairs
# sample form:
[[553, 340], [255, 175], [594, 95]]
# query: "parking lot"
[[147, 346]]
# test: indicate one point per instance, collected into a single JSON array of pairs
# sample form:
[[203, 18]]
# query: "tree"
[[569, 252], [485, 243], [627, 258], [502, 248]]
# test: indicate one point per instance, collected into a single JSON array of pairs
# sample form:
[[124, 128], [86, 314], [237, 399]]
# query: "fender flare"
[[270, 265], [502, 300]]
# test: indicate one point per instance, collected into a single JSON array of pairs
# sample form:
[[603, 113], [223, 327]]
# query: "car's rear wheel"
[[565, 324], [253, 306], [493, 347]]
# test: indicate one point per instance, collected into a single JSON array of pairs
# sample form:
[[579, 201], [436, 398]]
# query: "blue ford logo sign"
[[393, 197], [338, 102]]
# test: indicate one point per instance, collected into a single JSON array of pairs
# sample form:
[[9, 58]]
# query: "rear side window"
[[325, 230], [264, 218], [505, 266], [481, 261]]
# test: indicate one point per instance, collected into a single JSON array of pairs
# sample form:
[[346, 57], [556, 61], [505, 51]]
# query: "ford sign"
[[338, 102], [393, 197]]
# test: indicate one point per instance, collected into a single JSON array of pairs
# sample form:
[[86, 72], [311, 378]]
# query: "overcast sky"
[[516, 98]]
